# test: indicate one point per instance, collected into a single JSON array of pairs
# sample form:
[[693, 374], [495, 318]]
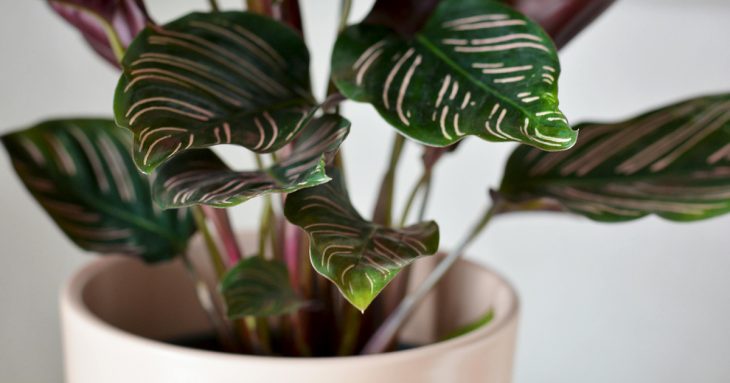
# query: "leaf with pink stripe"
[[673, 162]]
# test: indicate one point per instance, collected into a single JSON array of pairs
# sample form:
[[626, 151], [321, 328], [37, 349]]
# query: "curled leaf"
[[213, 78], [358, 256], [200, 177]]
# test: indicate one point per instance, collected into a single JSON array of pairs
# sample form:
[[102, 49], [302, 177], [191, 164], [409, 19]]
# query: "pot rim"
[[72, 299]]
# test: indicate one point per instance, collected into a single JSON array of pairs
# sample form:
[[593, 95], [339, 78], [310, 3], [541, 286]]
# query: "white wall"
[[638, 302]]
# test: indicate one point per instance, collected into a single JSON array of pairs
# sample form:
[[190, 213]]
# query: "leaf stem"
[[350, 330], [388, 330], [300, 341], [213, 253], [205, 297], [412, 197], [384, 205], [426, 197], [264, 227], [259, 338], [222, 224], [214, 5], [345, 8]]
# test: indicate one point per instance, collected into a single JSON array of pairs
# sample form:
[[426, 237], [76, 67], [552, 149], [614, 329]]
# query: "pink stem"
[[293, 238], [222, 223]]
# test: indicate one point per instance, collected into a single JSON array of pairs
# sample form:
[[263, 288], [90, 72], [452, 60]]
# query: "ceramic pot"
[[116, 312]]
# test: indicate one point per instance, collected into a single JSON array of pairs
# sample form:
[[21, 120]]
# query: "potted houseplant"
[[314, 281]]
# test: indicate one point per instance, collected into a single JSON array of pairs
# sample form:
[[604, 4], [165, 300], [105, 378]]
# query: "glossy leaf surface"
[[95, 19], [81, 173], [476, 68], [208, 79], [200, 177], [258, 287], [360, 257], [673, 162]]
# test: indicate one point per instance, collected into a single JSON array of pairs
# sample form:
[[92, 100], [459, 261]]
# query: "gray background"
[[640, 302]]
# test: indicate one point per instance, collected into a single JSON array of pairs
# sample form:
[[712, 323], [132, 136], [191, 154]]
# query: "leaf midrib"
[[537, 182], [134, 221], [433, 48]]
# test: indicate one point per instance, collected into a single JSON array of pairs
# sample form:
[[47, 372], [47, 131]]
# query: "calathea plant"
[[439, 72]]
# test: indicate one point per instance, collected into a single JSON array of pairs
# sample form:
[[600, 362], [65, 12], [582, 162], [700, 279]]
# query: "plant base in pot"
[[119, 314]]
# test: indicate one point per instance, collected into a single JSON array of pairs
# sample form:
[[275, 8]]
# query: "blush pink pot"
[[115, 312]]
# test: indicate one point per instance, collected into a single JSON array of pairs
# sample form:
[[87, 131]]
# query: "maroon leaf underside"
[[127, 17], [562, 19]]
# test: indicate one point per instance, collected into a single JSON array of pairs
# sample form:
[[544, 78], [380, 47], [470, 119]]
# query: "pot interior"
[[159, 302]]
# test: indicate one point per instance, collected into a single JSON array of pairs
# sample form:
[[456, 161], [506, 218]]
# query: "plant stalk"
[[298, 330], [384, 206], [345, 8], [214, 5], [205, 297], [213, 253], [223, 227], [264, 226], [387, 332], [426, 196], [350, 330], [412, 197]]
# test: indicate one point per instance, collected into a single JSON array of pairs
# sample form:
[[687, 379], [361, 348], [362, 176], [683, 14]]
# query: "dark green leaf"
[[360, 257], [258, 287], [200, 177], [673, 162], [209, 79], [476, 68], [81, 172]]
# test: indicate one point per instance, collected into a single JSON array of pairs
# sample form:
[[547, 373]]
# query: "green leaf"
[[482, 321], [673, 162], [360, 257], [81, 173], [258, 287], [476, 68], [208, 79], [200, 177]]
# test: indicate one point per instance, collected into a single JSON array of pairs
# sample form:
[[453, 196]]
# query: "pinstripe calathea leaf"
[[360, 257], [476, 68], [81, 173], [200, 177], [259, 287], [673, 162], [208, 79]]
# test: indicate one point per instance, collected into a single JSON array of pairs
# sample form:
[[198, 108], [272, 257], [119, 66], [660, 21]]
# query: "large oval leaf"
[[360, 257], [209, 79], [259, 287], [476, 68], [673, 162], [200, 177], [81, 172]]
